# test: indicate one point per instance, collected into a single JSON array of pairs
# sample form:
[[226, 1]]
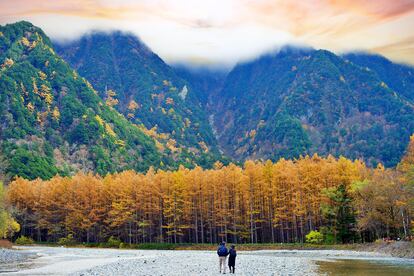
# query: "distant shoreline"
[[401, 249]]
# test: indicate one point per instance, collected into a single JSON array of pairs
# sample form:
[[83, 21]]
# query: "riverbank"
[[206, 246], [102, 261], [401, 249]]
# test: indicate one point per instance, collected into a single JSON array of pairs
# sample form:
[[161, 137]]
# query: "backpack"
[[222, 251]]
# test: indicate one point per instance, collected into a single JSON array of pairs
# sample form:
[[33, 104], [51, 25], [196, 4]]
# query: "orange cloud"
[[384, 26], [77, 8], [381, 9], [340, 25]]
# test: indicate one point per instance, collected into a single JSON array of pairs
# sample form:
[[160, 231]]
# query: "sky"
[[212, 32]]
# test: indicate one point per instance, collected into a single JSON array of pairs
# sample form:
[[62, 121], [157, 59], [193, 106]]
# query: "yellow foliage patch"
[[30, 107], [42, 75], [252, 133], [8, 62], [120, 143], [35, 88], [28, 44], [25, 42], [133, 105], [109, 130], [110, 98], [56, 113], [159, 146], [99, 120], [203, 146], [171, 145]]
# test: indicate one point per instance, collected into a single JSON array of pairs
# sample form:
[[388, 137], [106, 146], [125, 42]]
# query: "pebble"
[[10, 255], [205, 263]]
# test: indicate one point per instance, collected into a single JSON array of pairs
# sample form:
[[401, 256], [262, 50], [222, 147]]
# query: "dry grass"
[[5, 244]]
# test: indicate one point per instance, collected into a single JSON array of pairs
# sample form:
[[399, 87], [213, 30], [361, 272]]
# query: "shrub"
[[156, 246], [123, 245], [24, 240], [314, 237], [69, 240], [328, 235], [113, 242]]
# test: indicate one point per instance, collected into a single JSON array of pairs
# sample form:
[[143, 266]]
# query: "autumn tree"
[[259, 202], [8, 225], [111, 99]]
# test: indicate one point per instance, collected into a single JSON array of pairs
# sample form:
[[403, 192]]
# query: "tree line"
[[260, 202]]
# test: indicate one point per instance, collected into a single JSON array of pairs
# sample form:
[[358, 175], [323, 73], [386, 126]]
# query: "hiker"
[[222, 252], [232, 258]]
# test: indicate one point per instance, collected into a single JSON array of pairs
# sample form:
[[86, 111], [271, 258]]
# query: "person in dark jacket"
[[222, 252], [232, 258]]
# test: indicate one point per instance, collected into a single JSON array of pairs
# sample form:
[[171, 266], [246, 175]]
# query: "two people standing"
[[222, 252]]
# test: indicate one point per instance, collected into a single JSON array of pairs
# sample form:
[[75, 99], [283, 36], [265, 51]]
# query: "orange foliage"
[[261, 202]]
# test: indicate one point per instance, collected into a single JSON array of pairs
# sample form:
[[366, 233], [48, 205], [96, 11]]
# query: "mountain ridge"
[[53, 121], [271, 109], [141, 112], [120, 62]]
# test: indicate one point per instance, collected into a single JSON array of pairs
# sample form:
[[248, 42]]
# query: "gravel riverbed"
[[11, 255], [94, 261], [12, 259]]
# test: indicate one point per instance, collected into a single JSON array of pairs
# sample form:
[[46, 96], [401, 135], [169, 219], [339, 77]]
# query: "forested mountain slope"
[[284, 104], [145, 89], [399, 77], [53, 121], [300, 101]]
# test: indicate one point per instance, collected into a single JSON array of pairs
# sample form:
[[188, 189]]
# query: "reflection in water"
[[365, 268]]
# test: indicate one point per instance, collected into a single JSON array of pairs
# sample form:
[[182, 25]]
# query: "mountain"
[[138, 112], [52, 119], [207, 82], [303, 101], [399, 77], [146, 90]]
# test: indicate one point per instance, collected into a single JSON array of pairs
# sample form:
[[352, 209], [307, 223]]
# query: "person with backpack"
[[232, 258], [222, 252]]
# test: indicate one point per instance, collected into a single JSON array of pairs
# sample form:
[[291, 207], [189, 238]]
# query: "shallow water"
[[366, 267]]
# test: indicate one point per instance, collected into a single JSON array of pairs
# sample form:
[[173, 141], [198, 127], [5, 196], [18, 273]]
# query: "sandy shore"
[[94, 261]]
